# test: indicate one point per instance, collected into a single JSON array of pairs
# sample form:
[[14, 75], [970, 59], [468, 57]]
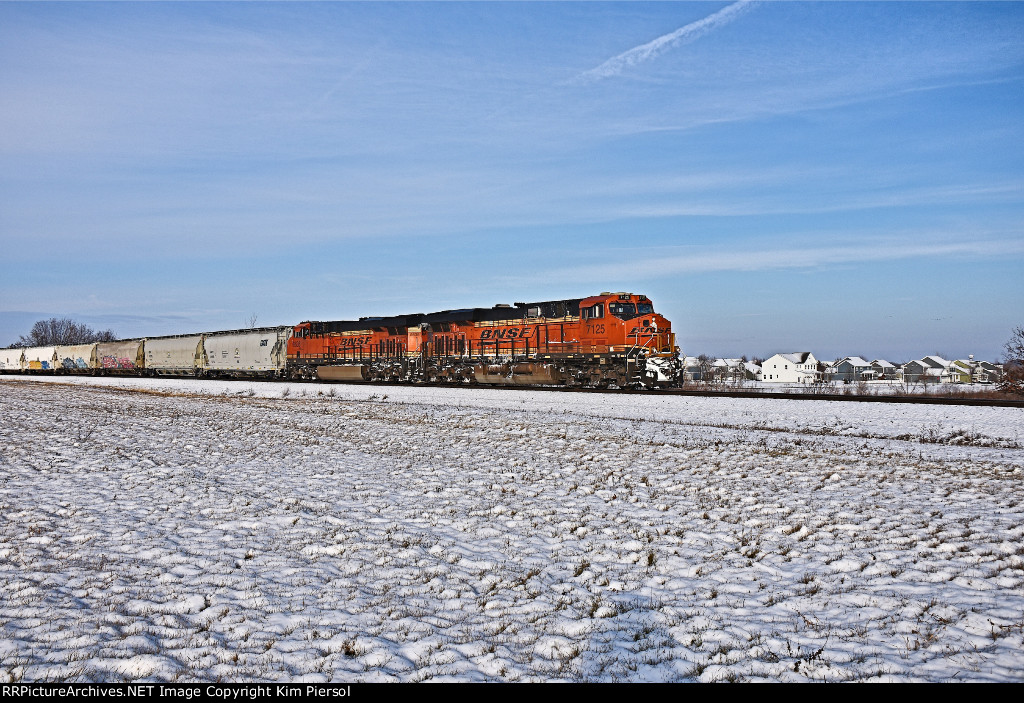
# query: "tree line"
[[62, 331]]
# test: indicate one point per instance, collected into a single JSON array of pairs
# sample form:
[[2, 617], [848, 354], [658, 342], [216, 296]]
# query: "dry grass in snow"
[[350, 533]]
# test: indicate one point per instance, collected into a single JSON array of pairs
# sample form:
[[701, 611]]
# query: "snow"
[[796, 357], [175, 530]]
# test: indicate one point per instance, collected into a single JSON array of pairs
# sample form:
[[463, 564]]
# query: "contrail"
[[638, 54]]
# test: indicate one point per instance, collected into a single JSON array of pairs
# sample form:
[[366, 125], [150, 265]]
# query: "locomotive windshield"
[[623, 311], [627, 311]]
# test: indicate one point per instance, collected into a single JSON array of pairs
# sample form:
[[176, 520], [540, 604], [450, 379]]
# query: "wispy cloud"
[[738, 258], [645, 52]]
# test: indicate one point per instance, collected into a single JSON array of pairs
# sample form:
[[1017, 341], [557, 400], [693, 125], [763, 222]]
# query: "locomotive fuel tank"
[[342, 373], [525, 374]]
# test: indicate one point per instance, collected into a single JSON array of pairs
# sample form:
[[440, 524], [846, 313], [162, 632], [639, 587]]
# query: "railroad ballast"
[[611, 339]]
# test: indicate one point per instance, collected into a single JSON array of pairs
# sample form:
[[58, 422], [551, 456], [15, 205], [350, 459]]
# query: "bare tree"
[[704, 362], [251, 321], [1014, 347], [1013, 367], [63, 330]]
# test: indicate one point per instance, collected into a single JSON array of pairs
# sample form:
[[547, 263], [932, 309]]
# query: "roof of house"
[[855, 361], [796, 357], [883, 363], [936, 361]]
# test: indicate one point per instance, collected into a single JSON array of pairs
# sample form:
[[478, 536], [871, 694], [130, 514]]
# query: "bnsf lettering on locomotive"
[[651, 329], [522, 333]]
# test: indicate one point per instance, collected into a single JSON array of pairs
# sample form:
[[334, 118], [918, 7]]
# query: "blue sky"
[[844, 178]]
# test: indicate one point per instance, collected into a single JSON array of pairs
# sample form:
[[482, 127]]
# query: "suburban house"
[[852, 369], [987, 372], [885, 371], [918, 371], [694, 370], [798, 367], [970, 371], [707, 370], [930, 369], [751, 371], [961, 370], [728, 370]]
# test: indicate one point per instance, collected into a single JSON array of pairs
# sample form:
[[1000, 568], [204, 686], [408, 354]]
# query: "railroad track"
[[920, 399]]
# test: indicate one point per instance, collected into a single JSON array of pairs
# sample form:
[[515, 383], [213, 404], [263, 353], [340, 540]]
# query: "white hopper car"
[[244, 353]]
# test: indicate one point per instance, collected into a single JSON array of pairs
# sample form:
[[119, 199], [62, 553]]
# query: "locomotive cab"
[[626, 328], [624, 321]]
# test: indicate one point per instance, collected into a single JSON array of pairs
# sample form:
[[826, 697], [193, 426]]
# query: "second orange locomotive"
[[607, 339]]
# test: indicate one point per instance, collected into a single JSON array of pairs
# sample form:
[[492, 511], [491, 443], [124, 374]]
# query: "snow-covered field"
[[243, 531]]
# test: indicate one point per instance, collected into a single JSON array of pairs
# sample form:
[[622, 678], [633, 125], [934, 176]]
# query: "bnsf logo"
[[353, 342], [650, 329], [521, 333]]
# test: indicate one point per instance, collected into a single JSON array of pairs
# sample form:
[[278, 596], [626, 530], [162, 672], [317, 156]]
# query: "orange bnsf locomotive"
[[607, 339]]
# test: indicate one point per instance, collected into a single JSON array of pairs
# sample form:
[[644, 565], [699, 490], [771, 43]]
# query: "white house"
[[798, 367]]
